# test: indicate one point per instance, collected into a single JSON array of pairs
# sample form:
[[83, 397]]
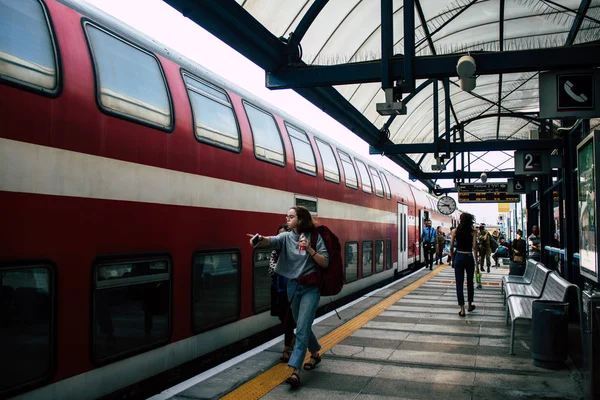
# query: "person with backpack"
[[280, 305], [440, 242], [485, 249], [299, 261]]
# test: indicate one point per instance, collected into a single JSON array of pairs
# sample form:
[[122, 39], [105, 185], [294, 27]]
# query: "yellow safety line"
[[267, 381]]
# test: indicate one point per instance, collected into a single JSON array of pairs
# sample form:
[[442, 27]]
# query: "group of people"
[[434, 241], [293, 265], [295, 297], [468, 244]]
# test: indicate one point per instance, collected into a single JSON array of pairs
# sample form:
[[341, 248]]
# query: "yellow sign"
[[503, 207]]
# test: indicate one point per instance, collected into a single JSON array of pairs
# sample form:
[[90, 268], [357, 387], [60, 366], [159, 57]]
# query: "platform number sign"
[[532, 162]]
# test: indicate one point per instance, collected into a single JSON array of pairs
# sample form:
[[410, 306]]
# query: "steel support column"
[[436, 119], [488, 145], [546, 216], [387, 42], [408, 84], [533, 211], [570, 231], [440, 66]]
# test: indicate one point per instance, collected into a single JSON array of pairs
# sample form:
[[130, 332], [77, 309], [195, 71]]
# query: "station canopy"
[[503, 107]]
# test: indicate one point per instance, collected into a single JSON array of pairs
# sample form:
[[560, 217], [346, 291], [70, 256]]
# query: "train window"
[[349, 171], [364, 176], [267, 140], [377, 181], [27, 324], [388, 253], [262, 281], [310, 203], [367, 258], [388, 193], [331, 172], [304, 156], [131, 306], [129, 81], [379, 255], [27, 52], [215, 289], [214, 118], [351, 262]]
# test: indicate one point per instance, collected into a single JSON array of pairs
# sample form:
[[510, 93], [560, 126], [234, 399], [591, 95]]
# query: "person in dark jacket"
[[440, 242], [519, 248], [502, 251], [280, 305]]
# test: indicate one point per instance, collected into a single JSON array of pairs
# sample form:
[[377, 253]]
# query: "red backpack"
[[332, 277]]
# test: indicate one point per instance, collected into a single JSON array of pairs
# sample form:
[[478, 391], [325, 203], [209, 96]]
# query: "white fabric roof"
[[350, 31]]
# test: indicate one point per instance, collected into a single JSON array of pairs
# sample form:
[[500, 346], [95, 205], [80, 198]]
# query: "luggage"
[[332, 277]]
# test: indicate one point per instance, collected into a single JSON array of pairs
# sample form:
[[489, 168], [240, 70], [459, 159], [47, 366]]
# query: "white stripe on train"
[[32, 168]]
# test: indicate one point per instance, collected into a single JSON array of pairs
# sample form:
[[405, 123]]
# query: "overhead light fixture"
[[465, 68]]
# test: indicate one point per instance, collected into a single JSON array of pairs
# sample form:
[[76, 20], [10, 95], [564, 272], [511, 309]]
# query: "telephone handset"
[[580, 98]]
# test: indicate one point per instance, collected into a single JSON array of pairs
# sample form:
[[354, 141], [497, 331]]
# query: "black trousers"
[[280, 306], [428, 249], [464, 263]]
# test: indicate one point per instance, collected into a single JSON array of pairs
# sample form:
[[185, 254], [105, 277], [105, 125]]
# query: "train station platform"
[[405, 341]]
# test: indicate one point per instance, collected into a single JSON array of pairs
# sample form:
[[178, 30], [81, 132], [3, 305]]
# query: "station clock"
[[446, 205]]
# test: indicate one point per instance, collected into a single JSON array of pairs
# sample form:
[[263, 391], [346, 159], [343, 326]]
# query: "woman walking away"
[[280, 305], [464, 259], [298, 262]]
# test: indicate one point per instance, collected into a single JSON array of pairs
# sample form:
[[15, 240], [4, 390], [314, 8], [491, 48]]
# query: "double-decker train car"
[[129, 177]]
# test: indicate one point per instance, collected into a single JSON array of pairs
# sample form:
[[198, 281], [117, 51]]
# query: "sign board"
[[518, 186], [575, 91], [569, 94], [503, 208], [532, 162], [482, 187], [486, 193], [588, 159], [501, 197]]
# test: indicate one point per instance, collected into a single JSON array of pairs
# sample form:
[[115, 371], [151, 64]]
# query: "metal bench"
[[556, 289], [533, 289], [525, 279]]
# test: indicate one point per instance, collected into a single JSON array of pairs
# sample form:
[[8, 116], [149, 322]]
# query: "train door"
[[402, 237], [423, 216]]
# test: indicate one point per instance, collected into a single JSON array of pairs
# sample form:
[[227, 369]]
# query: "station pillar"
[[546, 210]]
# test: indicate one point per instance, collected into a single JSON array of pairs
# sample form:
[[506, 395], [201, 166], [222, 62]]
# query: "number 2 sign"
[[531, 162]]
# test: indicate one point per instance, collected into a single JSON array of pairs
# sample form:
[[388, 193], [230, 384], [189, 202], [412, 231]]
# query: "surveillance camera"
[[468, 84], [483, 177]]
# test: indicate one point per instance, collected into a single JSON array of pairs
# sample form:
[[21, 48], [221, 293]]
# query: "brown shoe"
[[293, 380], [312, 363]]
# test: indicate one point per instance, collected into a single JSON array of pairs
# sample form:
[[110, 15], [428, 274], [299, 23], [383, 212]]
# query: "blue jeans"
[[464, 262], [304, 300]]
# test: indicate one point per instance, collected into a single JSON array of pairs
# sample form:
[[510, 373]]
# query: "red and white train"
[[129, 177]]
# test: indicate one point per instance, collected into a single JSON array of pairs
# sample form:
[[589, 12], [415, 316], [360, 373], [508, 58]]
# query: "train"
[[129, 178]]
